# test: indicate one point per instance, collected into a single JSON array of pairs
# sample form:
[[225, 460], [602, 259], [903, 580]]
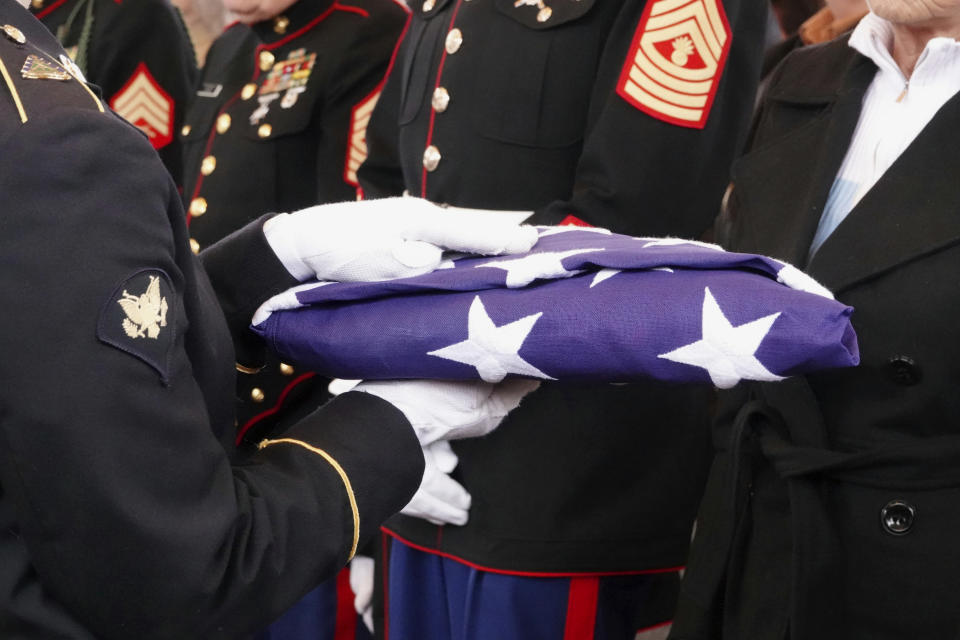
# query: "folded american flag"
[[583, 305]]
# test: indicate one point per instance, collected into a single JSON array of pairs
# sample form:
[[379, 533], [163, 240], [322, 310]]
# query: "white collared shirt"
[[895, 110]]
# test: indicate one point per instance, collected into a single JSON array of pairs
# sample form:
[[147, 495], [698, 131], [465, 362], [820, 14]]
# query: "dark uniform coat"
[[139, 53], [506, 105], [124, 512], [277, 124], [832, 507]]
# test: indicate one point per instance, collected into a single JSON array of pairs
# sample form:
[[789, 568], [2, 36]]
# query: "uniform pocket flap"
[[544, 14]]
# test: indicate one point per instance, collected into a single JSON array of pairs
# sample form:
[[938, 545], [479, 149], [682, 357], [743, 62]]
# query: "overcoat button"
[[897, 517], [903, 370]]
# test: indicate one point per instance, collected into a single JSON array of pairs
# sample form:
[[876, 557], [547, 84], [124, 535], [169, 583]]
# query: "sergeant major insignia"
[[676, 60], [135, 318]]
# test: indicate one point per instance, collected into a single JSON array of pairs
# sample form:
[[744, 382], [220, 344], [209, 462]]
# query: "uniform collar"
[[291, 21]]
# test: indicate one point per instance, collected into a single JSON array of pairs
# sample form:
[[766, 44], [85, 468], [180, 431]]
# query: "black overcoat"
[[831, 510]]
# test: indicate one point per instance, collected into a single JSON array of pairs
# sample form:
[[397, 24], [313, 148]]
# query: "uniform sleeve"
[[356, 90], [381, 175], [642, 175], [147, 70], [134, 517]]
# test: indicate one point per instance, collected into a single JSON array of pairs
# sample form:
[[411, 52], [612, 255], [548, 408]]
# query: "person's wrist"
[[282, 240]]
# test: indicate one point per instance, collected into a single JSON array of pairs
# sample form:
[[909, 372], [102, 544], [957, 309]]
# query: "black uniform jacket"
[[278, 120], [490, 105], [139, 53], [831, 509], [277, 124], [124, 511]]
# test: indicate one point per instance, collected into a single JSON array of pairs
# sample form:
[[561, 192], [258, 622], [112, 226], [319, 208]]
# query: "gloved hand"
[[387, 238], [362, 575], [440, 499], [451, 409]]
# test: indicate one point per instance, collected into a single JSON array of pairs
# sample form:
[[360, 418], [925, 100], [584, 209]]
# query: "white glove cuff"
[[283, 243]]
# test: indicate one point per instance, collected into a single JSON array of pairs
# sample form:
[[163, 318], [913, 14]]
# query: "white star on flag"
[[672, 242], [552, 231], [491, 349], [603, 274], [548, 264], [725, 351]]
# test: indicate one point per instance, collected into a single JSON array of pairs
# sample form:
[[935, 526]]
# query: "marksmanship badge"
[[676, 60]]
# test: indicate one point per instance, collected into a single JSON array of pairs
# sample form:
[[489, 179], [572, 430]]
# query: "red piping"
[[433, 112], [532, 574], [274, 409]]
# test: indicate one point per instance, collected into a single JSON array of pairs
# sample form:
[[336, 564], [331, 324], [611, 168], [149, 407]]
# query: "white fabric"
[[362, 574], [886, 126], [388, 238], [440, 499], [451, 409]]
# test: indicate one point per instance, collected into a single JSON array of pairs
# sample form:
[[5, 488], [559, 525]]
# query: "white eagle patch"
[[146, 313]]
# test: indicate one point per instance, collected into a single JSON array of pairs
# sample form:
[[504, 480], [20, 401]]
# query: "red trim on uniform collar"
[[43, 13]]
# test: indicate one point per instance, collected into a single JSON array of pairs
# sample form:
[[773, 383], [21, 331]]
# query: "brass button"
[[13, 33], [37, 4], [264, 131], [194, 245], [248, 90], [431, 158], [286, 369], [266, 61], [454, 41], [198, 207], [544, 14], [257, 395], [223, 123], [428, 5], [208, 165], [441, 99], [280, 24], [185, 131]]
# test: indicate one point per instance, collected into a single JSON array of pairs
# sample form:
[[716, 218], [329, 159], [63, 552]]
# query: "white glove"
[[440, 499], [369, 240], [362, 574], [448, 410]]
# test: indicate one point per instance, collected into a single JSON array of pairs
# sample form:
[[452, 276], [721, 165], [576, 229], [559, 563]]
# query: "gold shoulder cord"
[[13, 90], [343, 476], [92, 94]]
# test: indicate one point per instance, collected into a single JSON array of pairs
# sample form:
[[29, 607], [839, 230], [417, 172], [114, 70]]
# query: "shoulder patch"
[[143, 103], [134, 318], [676, 60]]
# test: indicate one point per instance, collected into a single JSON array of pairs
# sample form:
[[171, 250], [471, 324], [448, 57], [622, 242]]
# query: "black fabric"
[[124, 511], [126, 35], [791, 541], [589, 478]]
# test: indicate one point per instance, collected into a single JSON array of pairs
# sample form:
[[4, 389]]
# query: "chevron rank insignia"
[[357, 151], [676, 60], [143, 103], [36, 68], [136, 318]]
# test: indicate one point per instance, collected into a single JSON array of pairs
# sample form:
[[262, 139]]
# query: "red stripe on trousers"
[[346, 625], [581, 608]]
